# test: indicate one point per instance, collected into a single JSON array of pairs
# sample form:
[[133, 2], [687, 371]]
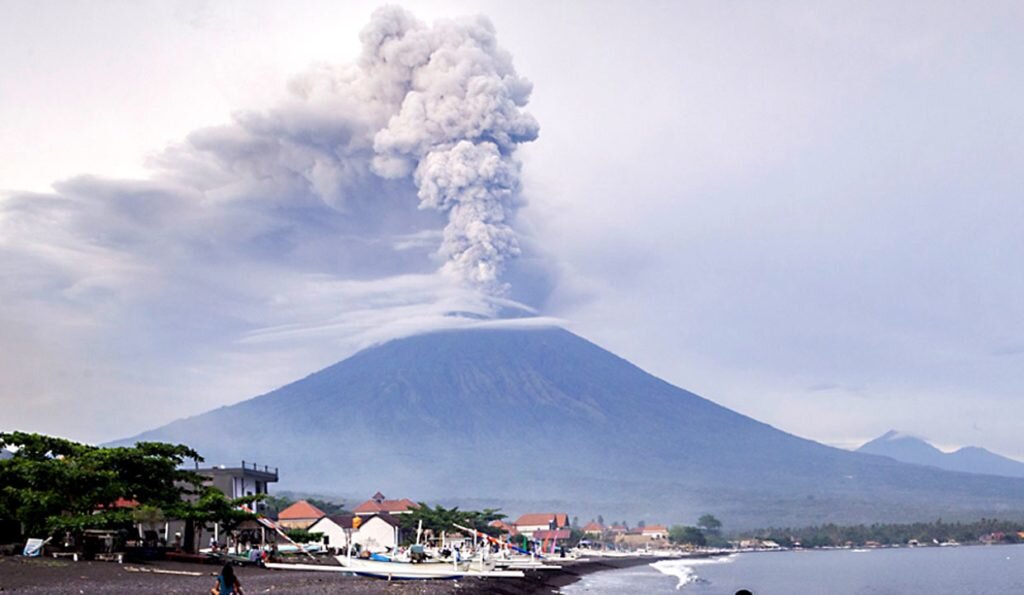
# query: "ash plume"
[[455, 131], [440, 107]]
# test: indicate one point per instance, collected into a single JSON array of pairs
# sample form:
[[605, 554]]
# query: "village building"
[[378, 504], [550, 539], [504, 527], [636, 539], [593, 529], [530, 523], [242, 481], [654, 532], [299, 515], [247, 479], [376, 533]]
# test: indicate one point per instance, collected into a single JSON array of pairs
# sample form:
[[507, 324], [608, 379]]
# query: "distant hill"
[[543, 419], [969, 459]]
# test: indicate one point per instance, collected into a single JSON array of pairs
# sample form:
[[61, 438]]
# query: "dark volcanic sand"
[[40, 575]]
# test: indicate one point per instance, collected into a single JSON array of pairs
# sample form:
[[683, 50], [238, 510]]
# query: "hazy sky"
[[810, 214]]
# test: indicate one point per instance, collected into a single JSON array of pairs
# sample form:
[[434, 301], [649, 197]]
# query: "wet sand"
[[40, 575]]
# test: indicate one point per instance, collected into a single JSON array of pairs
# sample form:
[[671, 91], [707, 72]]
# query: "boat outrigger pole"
[[490, 539]]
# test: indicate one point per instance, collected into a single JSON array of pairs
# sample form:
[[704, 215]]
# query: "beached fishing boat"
[[423, 570], [401, 570]]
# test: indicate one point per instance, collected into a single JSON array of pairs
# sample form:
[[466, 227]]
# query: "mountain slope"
[[542, 415], [969, 459]]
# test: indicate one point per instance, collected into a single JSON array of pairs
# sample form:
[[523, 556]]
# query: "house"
[[504, 527], [299, 515], [375, 533], [594, 529], [618, 529], [655, 532], [378, 504], [247, 479], [549, 539], [528, 524], [242, 481]]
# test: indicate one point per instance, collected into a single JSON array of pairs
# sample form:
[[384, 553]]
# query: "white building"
[[530, 523], [376, 533]]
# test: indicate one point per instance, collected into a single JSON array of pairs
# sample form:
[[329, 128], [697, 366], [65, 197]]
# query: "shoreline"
[[47, 575], [550, 581]]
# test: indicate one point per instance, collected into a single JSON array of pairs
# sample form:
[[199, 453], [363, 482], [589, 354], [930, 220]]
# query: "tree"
[[53, 484], [709, 524], [681, 535], [214, 508], [600, 520], [328, 506], [439, 518], [303, 535], [641, 523], [276, 504]]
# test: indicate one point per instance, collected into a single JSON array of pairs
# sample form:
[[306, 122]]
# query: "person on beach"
[[227, 582]]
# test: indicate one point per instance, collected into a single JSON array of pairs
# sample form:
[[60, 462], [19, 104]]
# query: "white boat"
[[526, 564], [401, 570], [423, 570], [314, 567]]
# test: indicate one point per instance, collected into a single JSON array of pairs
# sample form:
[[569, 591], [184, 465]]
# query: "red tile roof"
[[379, 504], [655, 529], [593, 527], [560, 519], [301, 510], [507, 528], [553, 534], [122, 503]]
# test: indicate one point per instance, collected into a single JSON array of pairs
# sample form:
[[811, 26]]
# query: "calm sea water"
[[977, 570]]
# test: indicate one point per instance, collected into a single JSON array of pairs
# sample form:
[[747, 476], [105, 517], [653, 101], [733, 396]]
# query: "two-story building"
[[248, 479]]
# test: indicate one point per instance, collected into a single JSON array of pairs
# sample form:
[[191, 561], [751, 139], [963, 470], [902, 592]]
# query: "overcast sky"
[[810, 214]]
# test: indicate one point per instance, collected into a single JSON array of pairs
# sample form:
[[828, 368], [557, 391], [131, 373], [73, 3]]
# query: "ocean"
[[974, 570]]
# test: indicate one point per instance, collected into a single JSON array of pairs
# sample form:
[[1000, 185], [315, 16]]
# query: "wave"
[[683, 569]]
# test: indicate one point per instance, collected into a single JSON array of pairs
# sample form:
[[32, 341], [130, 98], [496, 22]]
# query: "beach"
[[42, 575]]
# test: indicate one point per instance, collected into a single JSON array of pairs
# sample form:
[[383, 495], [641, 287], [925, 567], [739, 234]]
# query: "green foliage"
[[213, 507], [709, 524], [54, 484], [276, 504], [439, 518], [328, 506], [303, 536], [831, 535], [681, 535]]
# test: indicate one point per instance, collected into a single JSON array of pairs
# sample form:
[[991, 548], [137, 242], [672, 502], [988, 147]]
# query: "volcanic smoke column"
[[455, 132]]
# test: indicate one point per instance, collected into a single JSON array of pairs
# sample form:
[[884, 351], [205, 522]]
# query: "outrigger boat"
[[383, 567], [422, 570]]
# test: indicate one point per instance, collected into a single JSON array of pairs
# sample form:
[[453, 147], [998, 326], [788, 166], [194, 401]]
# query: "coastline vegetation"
[[51, 485], [924, 533]]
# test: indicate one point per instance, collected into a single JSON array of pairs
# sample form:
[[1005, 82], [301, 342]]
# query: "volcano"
[[971, 459], [526, 417]]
